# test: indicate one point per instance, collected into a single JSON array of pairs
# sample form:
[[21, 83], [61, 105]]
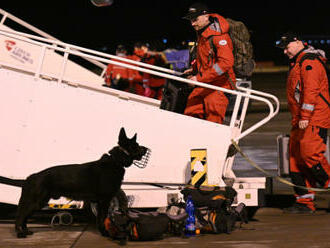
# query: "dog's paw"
[[27, 232], [104, 232], [122, 242], [20, 235]]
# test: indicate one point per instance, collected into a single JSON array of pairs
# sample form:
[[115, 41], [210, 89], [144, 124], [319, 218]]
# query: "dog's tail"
[[12, 182]]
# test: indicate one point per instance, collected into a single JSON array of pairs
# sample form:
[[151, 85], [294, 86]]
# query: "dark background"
[[81, 23]]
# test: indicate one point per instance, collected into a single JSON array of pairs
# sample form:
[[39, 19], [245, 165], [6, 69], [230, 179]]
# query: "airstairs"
[[56, 112]]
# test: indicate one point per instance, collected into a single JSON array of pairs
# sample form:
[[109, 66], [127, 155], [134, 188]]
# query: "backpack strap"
[[213, 51], [324, 99], [313, 56]]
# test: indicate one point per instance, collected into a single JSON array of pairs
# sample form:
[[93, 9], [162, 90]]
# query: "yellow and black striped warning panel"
[[198, 166]]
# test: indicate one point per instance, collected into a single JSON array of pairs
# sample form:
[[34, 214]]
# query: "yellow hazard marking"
[[198, 166]]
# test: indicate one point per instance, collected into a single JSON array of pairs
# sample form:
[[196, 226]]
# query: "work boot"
[[298, 208]]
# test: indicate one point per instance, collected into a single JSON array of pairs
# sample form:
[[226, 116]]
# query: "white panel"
[[147, 198], [45, 123], [9, 194], [247, 196]]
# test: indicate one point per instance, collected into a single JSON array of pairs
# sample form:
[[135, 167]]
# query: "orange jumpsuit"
[[215, 69], [308, 165], [118, 77], [137, 76], [154, 84]]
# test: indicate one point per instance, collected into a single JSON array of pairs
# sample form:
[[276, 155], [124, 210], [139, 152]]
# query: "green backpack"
[[243, 51]]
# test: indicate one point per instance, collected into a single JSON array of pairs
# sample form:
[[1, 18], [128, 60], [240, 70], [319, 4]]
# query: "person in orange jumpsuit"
[[139, 52], [214, 64], [308, 99], [118, 77], [153, 84]]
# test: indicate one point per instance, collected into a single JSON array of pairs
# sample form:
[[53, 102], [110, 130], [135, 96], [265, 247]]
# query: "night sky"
[[126, 21]]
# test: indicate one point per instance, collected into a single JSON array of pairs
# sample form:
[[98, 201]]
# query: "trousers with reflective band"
[[306, 156]]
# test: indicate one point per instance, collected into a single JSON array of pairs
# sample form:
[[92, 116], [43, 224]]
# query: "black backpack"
[[146, 226], [213, 209], [313, 56], [137, 225], [143, 226], [212, 198]]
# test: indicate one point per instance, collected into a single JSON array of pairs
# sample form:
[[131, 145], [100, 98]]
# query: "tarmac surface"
[[268, 228]]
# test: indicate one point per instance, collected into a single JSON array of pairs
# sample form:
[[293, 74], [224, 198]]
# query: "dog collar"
[[124, 150]]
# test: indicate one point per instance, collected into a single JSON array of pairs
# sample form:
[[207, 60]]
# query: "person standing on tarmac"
[[308, 102], [214, 64]]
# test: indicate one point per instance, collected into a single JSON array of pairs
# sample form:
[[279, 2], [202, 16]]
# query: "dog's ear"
[[122, 135], [134, 138]]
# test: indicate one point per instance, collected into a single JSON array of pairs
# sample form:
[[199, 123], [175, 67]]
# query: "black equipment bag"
[[146, 226], [175, 95], [117, 226], [222, 221], [212, 198], [137, 225], [213, 209]]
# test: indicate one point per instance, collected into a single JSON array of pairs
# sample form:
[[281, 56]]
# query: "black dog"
[[97, 181]]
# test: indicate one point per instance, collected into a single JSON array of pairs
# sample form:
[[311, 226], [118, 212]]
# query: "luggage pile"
[[204, 210]]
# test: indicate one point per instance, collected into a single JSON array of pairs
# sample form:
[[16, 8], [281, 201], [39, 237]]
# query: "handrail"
[[38, 31], [256, 92], [75, 50], [24, 24], [60, 43]]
